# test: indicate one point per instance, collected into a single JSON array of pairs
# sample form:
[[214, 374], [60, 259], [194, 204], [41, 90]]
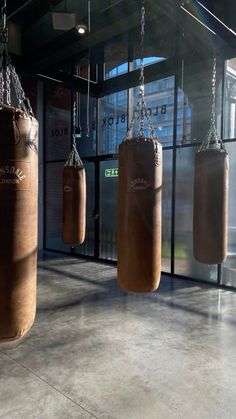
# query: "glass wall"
[[159, 98], [112, 121], [116, 57], [230, 99], [185, 264], [87, 117], [87, 248], [167, 209], [108, 208], [53, 203], [229, 266], [58, 123], [109, 117], [57, 148]]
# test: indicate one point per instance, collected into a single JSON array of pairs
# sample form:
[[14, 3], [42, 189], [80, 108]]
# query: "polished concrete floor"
[[96, 352]]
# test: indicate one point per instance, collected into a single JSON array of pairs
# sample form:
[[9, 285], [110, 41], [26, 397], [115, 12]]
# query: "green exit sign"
[[111, 172]]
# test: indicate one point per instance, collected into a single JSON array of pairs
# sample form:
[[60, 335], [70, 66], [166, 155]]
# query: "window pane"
[[158, 40], [146, 61], [229, 266], [159, 98], [58, 123], [230, 99], [185, 264], [116, 57], [53, 204], [87, 248], [184, 118], [195, 102], [166, 210], [86, 144], [112, 121], [108, 207]]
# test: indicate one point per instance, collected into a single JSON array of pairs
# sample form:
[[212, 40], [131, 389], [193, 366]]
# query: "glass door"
[[108, 209]]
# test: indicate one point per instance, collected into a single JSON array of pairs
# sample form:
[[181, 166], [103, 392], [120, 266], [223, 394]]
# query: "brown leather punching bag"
[[210, 206], [74, 205], [139, 214], [18, 221]]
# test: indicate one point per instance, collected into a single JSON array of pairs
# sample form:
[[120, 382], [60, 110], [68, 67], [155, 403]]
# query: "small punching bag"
[[210, 206], [18, 209], [74, 200], [210, 199], [139, 214]]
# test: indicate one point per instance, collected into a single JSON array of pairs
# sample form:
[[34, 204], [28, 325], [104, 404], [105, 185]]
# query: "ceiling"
[[43, 48]]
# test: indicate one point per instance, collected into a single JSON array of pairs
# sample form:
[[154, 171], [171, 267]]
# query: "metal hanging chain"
[[5, 75], [1, 78], [23, 101], [8, 81], [89, 75], [74, 157], [141, 108], [141, 103], [3, 14], [212, 135], [74, 120], [8, 73], [3, 33]]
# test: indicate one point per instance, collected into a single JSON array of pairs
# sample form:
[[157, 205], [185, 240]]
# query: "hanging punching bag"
[[139, 214], [210, 206], [18, 221], [74, 205]]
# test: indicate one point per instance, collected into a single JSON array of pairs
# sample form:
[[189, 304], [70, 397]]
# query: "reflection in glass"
[[184, 115], [195, 102], [146, 61], [229, 266], [116, 57], [53, 204], [166, 210], [185, 264], [112, 121], [159, 98], [230, 99], [86, 144], [58, 123], [87, 248], [108, 208]]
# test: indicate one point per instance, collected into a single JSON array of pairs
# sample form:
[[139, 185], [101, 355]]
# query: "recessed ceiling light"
[[81, 28]]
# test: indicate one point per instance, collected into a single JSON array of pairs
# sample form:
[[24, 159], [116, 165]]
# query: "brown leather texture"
[[74, 205], [210, 214], [18, 221], [139, 215]]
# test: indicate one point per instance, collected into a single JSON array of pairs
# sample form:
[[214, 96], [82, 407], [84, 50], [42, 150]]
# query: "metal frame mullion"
[[173, 206]]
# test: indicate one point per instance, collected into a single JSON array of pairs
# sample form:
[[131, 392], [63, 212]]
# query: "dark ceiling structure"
[[44, 48]]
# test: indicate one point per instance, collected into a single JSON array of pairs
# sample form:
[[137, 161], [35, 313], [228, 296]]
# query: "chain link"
[[141, 109], [3, 17], [1, 77], [212, 135], [8, 83], [8, 75], [74, 157]]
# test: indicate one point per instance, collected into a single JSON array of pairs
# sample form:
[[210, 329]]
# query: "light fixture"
[[63, 21], [81, 28]]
